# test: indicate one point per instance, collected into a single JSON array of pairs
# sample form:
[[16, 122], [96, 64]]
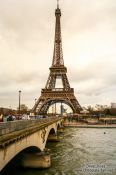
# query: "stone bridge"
[[17, 136]]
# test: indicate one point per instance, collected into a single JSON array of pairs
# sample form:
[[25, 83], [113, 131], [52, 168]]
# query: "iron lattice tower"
[[50, 94]]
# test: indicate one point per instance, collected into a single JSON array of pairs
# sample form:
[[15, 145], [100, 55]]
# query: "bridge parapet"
[[12, 126], [16, 135]]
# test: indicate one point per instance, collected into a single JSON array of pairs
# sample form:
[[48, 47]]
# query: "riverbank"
[[84, 125]]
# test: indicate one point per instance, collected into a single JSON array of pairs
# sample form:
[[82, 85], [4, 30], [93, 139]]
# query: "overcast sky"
[[26, 49]]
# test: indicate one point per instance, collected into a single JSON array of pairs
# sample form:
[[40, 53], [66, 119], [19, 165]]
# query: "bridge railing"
[[12, 126]]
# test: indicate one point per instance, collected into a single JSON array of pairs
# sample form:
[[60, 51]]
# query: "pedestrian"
[[10, 118], [1, 118]]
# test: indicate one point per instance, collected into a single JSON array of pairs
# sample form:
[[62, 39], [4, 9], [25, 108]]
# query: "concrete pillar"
[[53, 138], [61, 130], [37, 160]]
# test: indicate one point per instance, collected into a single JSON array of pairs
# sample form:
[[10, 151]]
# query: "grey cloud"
[[21, 79], [23, 23], [88, 15], [94, 80], [26, 41]]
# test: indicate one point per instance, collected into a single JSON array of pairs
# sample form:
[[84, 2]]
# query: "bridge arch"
[[58, 125], [52, 131], [17, 159]]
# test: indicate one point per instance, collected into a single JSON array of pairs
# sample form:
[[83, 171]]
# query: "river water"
[[81, 151]]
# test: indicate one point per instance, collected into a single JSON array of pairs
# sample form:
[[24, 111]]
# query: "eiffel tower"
[[51, 95]]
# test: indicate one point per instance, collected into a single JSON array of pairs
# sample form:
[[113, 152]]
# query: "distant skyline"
[[26, 49]]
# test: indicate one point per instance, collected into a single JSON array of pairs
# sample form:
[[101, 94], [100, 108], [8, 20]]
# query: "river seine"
[[81, 151]]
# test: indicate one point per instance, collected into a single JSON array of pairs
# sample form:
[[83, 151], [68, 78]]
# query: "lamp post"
[[35, 100], [55, 108], [35, 104], [61, 108], [19, 100], [52, 110]]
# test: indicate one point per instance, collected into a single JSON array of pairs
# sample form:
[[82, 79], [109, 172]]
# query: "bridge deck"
[[25, 131]]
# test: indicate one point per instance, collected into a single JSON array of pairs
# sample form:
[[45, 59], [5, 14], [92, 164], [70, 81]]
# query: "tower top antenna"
[[57, 4]]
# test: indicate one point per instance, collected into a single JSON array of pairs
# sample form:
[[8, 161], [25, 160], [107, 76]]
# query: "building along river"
[[81, 151]]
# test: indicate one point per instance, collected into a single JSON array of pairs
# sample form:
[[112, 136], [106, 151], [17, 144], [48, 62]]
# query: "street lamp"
[[35, 100], [35, 104], [19, 100], [55, 108]]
